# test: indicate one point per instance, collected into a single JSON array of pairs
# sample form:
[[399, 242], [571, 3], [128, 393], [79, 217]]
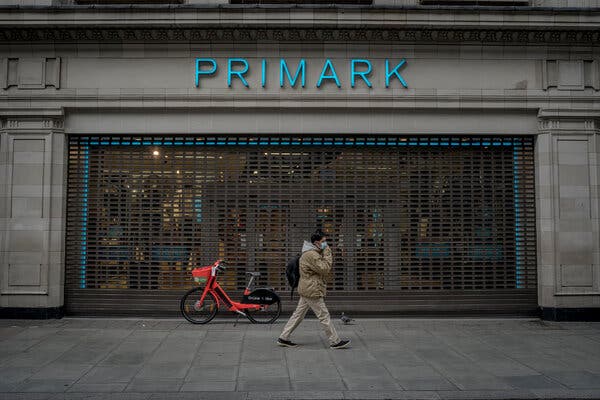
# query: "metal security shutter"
[[419, 225]]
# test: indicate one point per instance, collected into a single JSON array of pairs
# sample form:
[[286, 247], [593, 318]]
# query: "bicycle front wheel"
[[265, 314], [195, 311]]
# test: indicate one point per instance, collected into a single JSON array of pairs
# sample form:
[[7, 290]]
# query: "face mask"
[[323, 245]]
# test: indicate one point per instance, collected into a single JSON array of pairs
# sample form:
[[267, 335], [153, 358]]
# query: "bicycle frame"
[[222, 298]]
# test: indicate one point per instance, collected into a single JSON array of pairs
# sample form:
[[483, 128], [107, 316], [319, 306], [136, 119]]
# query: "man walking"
[[315, 266]]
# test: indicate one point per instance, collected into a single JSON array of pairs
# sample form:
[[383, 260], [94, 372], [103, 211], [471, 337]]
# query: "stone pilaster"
[[32, 211], [567, 173]]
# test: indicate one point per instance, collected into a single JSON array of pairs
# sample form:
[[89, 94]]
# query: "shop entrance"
[[419, 225]]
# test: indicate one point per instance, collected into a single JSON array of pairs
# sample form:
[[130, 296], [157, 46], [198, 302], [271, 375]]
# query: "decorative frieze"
[[251, 34]]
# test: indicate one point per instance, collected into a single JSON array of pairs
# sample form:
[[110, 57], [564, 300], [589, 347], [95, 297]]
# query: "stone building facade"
[[499, 69]]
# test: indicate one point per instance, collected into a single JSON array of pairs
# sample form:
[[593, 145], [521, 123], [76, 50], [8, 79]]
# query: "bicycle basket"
[[202, 274]]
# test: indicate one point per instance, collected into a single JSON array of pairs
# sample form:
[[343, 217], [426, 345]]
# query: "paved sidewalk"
[[139, 359]]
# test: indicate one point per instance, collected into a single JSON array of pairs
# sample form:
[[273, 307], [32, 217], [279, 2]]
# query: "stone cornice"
[[300, 25], [298, 17], [28, 112], [568, 114], [392, 101]]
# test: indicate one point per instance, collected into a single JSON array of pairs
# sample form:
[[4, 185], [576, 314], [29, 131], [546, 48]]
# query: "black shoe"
[[286, 343], [342, 344]]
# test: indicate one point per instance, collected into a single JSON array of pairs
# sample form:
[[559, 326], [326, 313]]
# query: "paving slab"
[[154, 385], [533, 382], [101, 396], [354, 383], [202, 372], [319, 385], [208, 386], [486, 394], [44, 385], [200, 396], [110, 374], [426, 384], [453, 358], [97, 387], [25, 396], [204, 359], [471, 382], [171, 370], [13, 375], [261, 384], [62, 371], [576, 379], [304, 394], [384, 395], [565, 394]]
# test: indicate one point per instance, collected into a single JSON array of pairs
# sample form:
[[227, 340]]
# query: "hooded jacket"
[[315, 266]]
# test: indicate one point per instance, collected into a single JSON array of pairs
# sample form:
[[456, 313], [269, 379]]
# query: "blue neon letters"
[[199, 71], [361, 71], [239, 74], [333, 75], [363, 74], [284, 68], [389, 74]]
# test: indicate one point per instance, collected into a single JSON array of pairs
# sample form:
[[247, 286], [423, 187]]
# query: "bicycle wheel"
[[197, 313], [265, 314]]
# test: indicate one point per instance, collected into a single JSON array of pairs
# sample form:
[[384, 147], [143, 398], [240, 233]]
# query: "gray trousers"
[[320, 310]]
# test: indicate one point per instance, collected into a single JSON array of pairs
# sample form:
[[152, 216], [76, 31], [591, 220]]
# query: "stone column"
[[567, 182], [32, 213]]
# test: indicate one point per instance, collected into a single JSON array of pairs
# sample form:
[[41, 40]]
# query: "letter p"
[[200, 71]]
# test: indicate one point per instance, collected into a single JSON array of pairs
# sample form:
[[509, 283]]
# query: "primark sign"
[[293, 74]]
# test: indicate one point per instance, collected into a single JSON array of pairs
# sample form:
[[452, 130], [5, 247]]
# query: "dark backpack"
[[292, 273]]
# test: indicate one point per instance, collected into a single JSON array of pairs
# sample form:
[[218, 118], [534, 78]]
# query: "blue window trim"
[[84, 212], [518, 237]]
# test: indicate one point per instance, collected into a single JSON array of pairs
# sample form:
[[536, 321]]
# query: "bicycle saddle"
[[253, 273]]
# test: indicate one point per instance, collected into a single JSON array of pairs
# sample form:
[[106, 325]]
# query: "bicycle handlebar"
[[220, 266]]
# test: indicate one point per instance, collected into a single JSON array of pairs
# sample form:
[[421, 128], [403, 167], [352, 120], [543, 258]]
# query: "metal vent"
[[434, 217]]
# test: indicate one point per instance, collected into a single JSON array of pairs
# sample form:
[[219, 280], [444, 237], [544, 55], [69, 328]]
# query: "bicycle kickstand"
[[238, 317]]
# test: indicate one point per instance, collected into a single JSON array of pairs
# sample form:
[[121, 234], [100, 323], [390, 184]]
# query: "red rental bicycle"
[[200, 304]]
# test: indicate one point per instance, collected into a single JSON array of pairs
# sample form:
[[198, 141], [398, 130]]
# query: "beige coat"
[[315, 267]]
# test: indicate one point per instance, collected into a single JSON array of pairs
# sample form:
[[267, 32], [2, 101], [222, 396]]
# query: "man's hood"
[[308, 246]]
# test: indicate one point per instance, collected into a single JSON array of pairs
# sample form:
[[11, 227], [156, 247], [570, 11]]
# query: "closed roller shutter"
[[419, 225]]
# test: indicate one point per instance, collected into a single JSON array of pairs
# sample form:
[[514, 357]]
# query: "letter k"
[[389, 74]]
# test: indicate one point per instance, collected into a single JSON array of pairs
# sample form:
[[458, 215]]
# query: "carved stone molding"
[[549, 124], [590, 124], [29, 124], [251, 34], [565, 123]]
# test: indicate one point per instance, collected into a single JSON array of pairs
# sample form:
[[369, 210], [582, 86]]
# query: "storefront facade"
[[451, 153]]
